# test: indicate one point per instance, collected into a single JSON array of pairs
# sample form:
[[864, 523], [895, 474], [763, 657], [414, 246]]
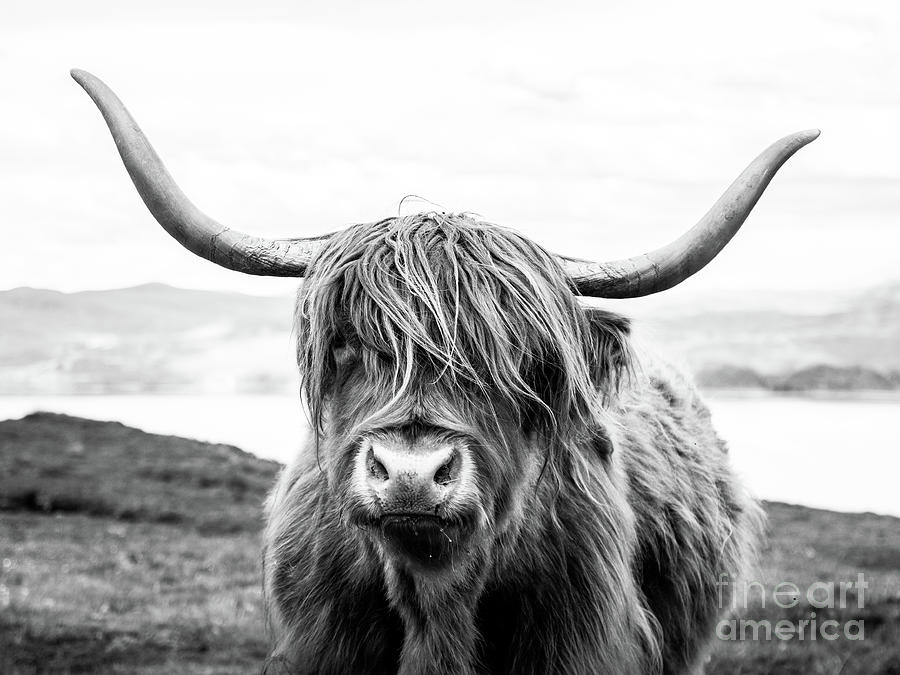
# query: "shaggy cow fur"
[[603, 511]]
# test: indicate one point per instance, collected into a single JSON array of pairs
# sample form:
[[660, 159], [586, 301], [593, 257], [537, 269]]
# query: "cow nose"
[[411, 478], [438, 465]]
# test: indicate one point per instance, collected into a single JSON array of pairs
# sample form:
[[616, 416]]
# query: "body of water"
[[835, 453]]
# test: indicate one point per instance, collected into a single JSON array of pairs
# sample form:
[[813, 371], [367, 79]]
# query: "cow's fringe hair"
[[450, 298]]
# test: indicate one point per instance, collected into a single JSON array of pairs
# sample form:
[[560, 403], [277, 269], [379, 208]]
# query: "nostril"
[[376, 469], [448, 471]]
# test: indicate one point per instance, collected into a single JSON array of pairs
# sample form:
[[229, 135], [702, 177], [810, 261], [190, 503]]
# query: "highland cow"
[[494, 482]]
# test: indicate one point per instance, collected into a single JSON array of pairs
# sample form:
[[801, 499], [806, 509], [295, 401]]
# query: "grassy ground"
[[128, 552]]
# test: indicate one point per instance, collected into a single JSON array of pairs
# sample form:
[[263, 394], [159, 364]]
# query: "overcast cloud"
[[601, 131]]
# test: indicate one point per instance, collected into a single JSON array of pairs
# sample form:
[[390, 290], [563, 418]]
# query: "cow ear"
[[610, 357]]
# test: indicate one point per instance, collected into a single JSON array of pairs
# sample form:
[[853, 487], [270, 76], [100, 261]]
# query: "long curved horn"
[[670, 265], [179, 217]]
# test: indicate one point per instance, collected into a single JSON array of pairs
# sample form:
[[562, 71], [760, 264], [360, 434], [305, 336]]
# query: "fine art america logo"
[[810, 624]]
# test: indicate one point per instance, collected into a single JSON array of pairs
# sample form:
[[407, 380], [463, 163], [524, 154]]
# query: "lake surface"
[[835, 453]]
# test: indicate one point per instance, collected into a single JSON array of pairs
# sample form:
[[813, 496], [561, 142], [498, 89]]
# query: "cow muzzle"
[[419, 489], [413, 478]]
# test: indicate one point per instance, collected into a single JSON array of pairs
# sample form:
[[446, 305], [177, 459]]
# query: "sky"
[[601, 130]]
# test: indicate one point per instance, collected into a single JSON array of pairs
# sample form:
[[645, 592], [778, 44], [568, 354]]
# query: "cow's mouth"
[[425, 541]]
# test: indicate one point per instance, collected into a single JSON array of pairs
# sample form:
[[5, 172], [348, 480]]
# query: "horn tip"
[[82, 77], [808, 136]]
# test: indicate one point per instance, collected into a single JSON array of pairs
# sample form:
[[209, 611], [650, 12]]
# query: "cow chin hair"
[[445, 297]]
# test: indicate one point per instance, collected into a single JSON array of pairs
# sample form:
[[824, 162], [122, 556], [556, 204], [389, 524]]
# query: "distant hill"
[[159, 339], [849, 378], [813, 378], [122, 551], [147, 339], [860, 330]]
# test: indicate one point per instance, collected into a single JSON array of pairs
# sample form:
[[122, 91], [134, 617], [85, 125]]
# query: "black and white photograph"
[[473, 338]]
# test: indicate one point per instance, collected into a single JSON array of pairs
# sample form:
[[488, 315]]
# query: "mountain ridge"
[[156, 338]]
